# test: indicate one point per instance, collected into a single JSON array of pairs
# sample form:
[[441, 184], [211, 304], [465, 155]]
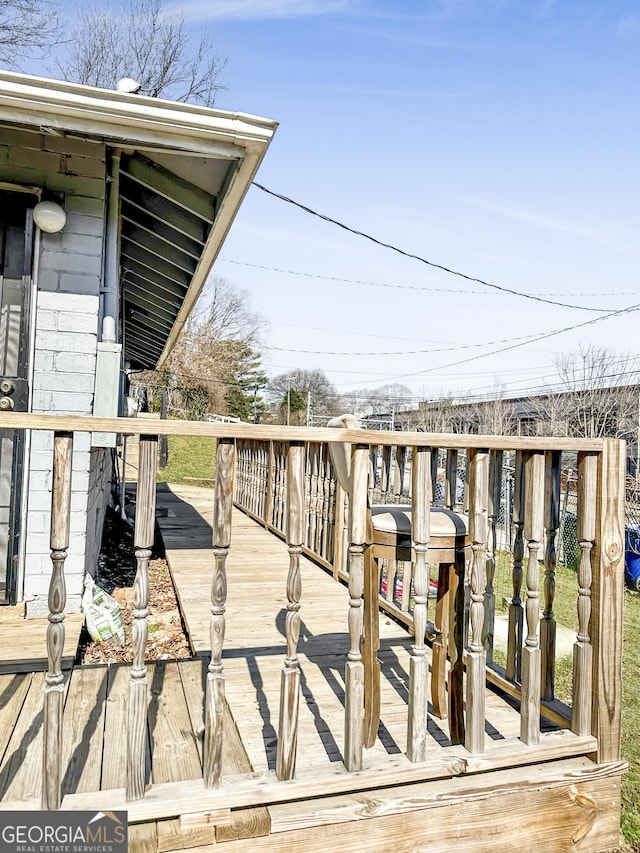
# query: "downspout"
[[110, 291], [106, 397]]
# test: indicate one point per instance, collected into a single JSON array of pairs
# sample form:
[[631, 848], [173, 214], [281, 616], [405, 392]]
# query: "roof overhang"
[[179, 153]]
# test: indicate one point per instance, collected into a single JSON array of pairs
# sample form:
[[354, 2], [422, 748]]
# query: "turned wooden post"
[[451, 479], [327, 497], [290, 679], [533, 533], [54, 679], [435, 453], [548, 623], [476, 656], [607, 601], [214, 691], [443, 610], [419, 665], [312, 494], [516, 620], [495, 493], [455, 593], [354, 671], [339, 530], [268, 513], [398, 473], [143, 537], [385, 475], [582, 650]]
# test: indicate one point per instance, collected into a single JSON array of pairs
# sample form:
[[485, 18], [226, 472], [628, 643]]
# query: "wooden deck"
[[252, 811], [23, 646], [254, 647]]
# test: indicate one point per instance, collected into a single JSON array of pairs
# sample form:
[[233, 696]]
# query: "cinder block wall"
[[68, 278]]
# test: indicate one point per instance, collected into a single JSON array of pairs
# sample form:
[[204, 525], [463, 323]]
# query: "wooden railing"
[[529, 671], [284, 477]]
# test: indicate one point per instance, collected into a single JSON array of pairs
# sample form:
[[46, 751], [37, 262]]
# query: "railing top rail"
[[145, 426]]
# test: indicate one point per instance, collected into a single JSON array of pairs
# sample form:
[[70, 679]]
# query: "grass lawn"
[[189, 456], [566, 614]]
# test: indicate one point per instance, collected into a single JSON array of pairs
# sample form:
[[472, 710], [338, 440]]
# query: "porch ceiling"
[[165, 222]]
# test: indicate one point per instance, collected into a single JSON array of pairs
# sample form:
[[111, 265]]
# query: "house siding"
[[68, 278]]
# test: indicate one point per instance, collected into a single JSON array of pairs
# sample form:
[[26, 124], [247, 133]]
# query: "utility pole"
[[289, 402], [308, 408]]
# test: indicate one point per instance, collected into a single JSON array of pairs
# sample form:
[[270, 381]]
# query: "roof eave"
[[126, 118]]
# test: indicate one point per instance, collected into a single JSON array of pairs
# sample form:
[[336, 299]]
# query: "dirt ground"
[[116, 574]]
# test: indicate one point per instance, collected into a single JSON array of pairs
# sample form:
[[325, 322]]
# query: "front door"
[[16, 241]]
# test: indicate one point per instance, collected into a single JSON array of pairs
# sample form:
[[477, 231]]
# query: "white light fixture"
[[128, 86], [49, 216]]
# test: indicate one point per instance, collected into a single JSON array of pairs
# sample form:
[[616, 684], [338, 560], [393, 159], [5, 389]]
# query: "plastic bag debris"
[[102, 613]]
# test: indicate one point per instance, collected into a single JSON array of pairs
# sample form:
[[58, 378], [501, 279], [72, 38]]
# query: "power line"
[[411, 286], [402, 352], [542, 337], [419, 258]]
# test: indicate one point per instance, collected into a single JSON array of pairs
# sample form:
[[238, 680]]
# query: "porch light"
[[49, 216]]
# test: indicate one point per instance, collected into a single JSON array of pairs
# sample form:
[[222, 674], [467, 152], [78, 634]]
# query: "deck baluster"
[[385, 473], [314, 450], [442, 611], [54, 679], [143, 537], [476, 656], [455, 594], [269, 504], [495, 493], [354, 671], [214, 695], [419, 667], [290, 679], [340, 530], [435, 458], [533, 533], [398, 474], [373, 472], [516, 616], [451, 479], [325, 541], [583, 650], [548, 623]]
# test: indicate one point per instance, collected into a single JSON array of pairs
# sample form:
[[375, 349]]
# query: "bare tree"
[[25, 26], [144, 42], [434, 416], [311, 385], [550, 413], [494, 416], [384, 400], [389, 398], [597, 396], [215, 364]]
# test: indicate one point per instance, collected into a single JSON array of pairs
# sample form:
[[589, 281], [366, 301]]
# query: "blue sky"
[[497, 138]]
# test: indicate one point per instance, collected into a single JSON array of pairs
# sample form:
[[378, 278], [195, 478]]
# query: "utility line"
[[542, 337], [403, 352], [408, 286], [419, 258]]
